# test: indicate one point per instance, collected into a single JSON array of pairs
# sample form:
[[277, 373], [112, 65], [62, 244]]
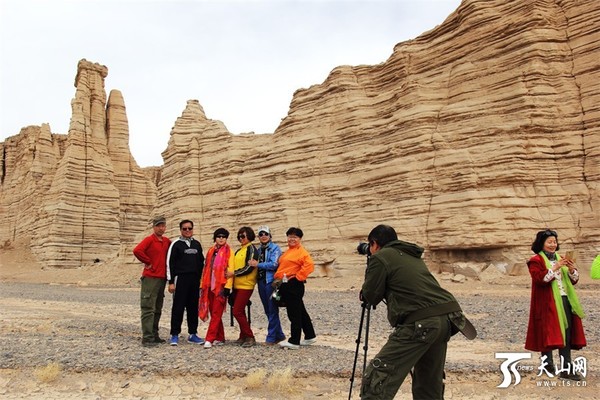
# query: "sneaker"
[[308, 342], [218, 343], [174, 341], [159, 340], [149, 344], [288, 345], [207, 345], [193, 338], [275, 342], [249, 342]]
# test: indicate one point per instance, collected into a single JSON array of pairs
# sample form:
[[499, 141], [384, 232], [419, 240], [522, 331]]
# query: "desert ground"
[[74, 334]]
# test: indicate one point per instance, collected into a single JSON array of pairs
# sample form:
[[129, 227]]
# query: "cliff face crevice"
[[467, 139]]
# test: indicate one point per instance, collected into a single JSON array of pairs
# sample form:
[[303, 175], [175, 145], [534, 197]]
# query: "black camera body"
[[364, 249]]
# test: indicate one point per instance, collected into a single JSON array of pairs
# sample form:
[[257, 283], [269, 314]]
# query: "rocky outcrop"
[[137, 193], [467, 140], [29, 161], [75, 199]]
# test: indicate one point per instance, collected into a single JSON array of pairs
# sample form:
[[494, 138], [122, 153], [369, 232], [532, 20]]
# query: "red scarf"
[[213, 276]]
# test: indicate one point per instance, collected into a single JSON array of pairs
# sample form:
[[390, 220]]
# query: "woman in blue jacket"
[[267, 264]]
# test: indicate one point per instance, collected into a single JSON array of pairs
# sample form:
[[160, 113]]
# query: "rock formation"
[[74, 201], [467, 140]]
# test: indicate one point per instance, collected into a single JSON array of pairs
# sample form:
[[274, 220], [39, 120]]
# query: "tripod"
[[365, 308]]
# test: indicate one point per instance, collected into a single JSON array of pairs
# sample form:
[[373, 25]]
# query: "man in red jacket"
[[152, 251]]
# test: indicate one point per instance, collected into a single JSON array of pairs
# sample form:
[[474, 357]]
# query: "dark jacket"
[[184, 257], [397, 274]]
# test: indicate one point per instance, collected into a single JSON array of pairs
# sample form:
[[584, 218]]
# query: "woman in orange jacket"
[[295, 264]]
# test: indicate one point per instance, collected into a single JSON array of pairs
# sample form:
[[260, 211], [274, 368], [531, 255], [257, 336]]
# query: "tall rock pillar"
[[79, 217]]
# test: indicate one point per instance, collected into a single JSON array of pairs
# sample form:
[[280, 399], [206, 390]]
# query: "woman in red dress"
[[555, 313]]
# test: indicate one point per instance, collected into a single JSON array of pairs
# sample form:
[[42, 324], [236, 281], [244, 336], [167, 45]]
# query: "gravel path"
[[87, 329]]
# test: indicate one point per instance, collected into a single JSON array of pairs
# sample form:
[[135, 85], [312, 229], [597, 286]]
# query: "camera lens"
[[363, 248]]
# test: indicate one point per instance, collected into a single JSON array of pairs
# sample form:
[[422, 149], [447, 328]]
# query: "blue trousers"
[[274, 331]]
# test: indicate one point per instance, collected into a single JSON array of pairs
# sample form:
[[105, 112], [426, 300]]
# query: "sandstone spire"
[[79, 216], [137, 194]]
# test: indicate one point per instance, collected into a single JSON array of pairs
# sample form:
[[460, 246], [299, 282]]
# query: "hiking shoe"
[[218, 343], [207, 345], [571, 377], [308, 342], [249, 342], [193, 338], [159, 340], [288, 345], [174, 341], [149, 344]]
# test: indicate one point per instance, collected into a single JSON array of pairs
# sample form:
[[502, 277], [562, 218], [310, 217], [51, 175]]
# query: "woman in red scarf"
[[215, 286], [555, 313]]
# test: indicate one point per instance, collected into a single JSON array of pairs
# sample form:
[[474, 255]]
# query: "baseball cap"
[[158, 221], [264, 228]]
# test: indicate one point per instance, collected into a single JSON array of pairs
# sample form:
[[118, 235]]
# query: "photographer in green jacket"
[[423, 314]]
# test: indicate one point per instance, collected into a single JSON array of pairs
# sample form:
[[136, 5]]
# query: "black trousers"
[[185, 298], [292, 293], [565, 352]]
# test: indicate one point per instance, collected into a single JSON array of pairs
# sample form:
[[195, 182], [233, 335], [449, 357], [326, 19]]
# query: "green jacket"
[[397, 274]]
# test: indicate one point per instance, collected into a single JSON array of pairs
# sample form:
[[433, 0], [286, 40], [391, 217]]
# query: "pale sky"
[[242, 60]]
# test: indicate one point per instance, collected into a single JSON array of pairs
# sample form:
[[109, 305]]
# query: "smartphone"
[[569, 255]]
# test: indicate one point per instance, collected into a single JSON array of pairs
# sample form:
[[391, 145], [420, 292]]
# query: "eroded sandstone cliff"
[[77, 199], [467, 139]]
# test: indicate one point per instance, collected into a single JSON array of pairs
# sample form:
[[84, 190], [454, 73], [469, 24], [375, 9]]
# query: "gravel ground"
[[96, 329]]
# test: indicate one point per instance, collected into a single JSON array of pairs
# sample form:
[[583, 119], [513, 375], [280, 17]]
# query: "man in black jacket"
[[185, 262]]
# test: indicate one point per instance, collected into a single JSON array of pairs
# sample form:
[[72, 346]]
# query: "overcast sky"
[[242, 60]]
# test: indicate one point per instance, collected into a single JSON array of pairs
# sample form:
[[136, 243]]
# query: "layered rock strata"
[[75, 200], [467, 139]]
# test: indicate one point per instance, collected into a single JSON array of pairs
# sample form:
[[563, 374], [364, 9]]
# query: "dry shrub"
[[282, 381], [49, 373], [255, 379]]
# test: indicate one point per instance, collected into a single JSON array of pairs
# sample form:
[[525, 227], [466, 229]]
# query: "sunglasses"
[[549, 232], [263, 234], [241, 237], [221, 237], [187, 229]]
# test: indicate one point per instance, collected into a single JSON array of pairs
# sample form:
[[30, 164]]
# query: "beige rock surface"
[[467, 140], [76, 199]]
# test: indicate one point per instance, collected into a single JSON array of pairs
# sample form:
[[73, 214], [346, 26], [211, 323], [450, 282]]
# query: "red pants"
[[239, 311], [216, 306]]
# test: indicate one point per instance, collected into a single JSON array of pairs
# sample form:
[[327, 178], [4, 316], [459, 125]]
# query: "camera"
[[364, 249]]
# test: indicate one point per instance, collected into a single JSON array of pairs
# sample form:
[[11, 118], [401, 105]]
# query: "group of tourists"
[[423, 314], [203, 286]]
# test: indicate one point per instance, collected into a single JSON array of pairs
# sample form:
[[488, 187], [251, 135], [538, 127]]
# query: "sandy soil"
[[472, 370]]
